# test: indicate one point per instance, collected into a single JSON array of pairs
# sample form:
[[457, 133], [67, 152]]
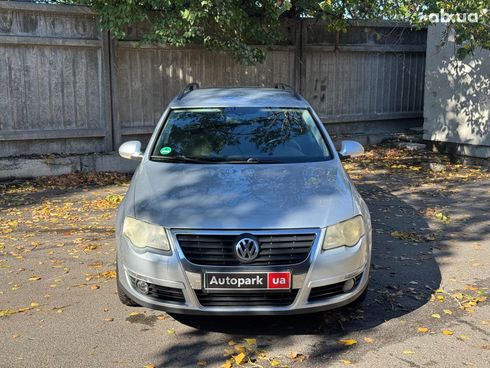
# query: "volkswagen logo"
[[247, 249]]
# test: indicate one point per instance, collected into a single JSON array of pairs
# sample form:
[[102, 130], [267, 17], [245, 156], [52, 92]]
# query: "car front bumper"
[[175, 272]]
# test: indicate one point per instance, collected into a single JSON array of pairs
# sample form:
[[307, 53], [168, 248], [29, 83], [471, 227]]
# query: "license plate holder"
[[246, 281]]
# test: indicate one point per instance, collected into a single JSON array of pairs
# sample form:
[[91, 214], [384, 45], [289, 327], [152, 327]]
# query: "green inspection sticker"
[[165, 150]]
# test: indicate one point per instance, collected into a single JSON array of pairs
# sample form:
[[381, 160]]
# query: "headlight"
[[142, 234], [346, 233]]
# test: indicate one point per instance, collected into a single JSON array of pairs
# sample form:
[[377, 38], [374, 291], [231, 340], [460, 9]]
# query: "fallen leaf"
[[134, 313], [95, 287], [7, 312], [436, 315], [275, 363], [227, 364], [170, 331], [408, 352], [368, 340], [348, 342], [463, 337], [240, 348], [422, 329], [34, 305], [34, 278], [447, 311], [251, 341], [447, 332], [150, 366], [109, 319], [346, 361], [296, 356], [240, 358], [231, 343]]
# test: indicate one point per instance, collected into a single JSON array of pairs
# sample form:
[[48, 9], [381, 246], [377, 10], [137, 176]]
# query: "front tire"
[[126, 300]]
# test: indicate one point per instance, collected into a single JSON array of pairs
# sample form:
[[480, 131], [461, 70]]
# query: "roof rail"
[[189, 88], [287, 87]]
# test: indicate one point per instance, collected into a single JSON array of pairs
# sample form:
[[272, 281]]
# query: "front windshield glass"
[[240, 134]]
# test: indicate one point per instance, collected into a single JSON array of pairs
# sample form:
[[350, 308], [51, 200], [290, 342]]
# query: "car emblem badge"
[[247, 249]]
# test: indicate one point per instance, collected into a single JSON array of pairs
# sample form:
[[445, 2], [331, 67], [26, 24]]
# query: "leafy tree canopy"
[[236, 25]]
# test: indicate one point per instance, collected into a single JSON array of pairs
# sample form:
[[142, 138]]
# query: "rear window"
[[241, 134]]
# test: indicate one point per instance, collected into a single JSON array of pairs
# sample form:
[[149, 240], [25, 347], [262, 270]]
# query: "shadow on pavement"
[[403, 277]]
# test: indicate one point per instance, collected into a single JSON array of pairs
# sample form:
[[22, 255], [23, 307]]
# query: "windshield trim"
[[317, 122]]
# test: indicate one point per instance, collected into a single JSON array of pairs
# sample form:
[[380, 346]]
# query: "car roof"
[[239, 97]]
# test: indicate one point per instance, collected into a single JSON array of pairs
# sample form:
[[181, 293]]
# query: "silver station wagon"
[[240, 205]]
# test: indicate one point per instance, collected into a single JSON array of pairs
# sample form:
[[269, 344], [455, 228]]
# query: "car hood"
[[255, 196]]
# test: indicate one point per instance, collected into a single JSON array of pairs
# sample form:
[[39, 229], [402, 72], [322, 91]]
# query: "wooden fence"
[[66, 87]]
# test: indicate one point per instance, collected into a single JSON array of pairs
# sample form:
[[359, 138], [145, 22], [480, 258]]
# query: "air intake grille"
[[218, 250], [163, 293], [327, 291], [246, 299]]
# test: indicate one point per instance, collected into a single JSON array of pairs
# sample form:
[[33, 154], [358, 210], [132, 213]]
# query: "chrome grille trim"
[[277, 247]]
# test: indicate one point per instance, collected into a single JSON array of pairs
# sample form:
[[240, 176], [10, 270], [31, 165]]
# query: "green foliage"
[[241, 27]]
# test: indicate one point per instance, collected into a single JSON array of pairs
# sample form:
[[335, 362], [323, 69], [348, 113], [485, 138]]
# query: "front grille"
[[162, 293], [246, 299], [328, 291], [218, 250]]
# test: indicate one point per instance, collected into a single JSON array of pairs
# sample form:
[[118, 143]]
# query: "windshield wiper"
[[183, 159], [252, 160]]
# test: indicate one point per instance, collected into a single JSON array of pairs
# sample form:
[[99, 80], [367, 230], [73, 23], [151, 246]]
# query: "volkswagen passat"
[[240, 205]]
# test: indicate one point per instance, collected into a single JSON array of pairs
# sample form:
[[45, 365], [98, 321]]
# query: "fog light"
[[348, 285], [142, 287]]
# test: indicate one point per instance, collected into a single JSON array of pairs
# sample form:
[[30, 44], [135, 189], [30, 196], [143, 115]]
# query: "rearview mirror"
[[351, 149], [131, 150]]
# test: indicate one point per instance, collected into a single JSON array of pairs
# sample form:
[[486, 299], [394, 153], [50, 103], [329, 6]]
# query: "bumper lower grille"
[[218, 250], [328, 291], [246, 299], [163, 293]]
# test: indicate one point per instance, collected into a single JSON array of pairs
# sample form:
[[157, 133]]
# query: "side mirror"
[[131, 150], [351, 149]]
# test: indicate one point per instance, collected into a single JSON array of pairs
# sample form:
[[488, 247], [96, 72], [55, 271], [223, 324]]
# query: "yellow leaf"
[[231, 343], [240, 358], [422, 329], [348, 342], [447, 332], [346, 361], [227, 364], [275, 363], [171, 331], [34, 278], [436, 315], [440, 298], [447, 311], [34, 305], [463, 337], [408, 352], [369, 340], [7, 312], [240, 348], [202, 363], [134, 313], [150, 366], [251, 341]]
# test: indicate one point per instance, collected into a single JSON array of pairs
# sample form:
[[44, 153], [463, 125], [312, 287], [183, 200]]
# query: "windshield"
[[241, 135]]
